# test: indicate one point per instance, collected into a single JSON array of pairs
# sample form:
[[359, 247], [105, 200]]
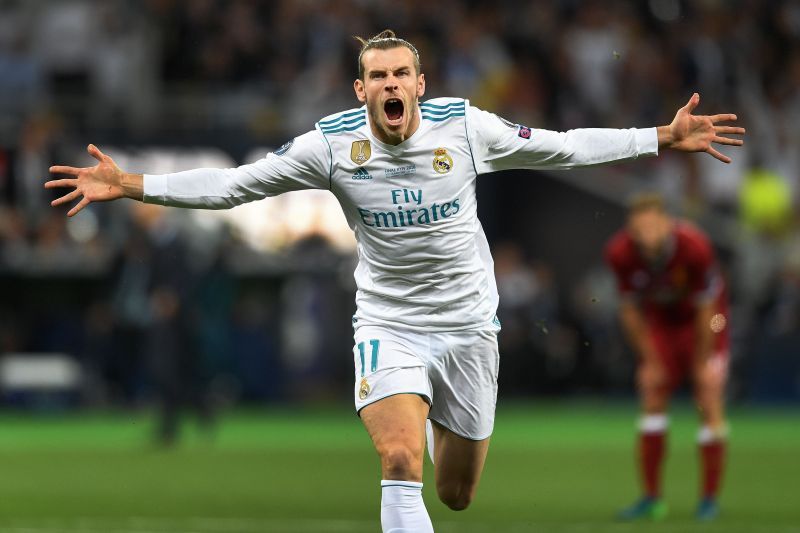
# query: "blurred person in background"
[[155, 311], [404, 173], [673, 311]]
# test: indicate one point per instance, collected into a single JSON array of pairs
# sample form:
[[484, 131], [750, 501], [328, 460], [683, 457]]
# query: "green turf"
[[552, 467]]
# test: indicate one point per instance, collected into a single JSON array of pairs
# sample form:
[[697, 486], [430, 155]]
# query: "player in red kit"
[[674, 311]]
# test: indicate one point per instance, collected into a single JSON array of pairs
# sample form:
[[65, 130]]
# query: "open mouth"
[[393, 107]]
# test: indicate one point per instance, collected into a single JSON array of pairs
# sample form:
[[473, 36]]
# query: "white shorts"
[[455, 372]]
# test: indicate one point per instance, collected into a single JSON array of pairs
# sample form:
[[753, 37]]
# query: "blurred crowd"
[[242, 73]]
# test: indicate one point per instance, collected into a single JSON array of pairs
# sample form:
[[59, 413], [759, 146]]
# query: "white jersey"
[[423, 259]]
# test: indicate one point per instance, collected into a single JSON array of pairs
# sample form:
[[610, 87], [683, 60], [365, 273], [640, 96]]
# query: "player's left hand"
[[697, 133]]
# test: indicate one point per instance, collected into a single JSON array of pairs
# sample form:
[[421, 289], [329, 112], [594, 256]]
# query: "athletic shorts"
[[676, 349], [455, 372]]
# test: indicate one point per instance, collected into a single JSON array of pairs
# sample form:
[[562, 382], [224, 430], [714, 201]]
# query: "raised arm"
[[698, 133], [500, 145], [303, 163], [100, 183]]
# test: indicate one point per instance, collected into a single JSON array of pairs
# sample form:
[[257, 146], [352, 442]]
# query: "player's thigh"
[[662, 372], [458, 464], [392, 397], [654, 384], [396, 425]]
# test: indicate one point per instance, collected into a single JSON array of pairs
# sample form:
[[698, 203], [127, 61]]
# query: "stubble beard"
[[378, 119]]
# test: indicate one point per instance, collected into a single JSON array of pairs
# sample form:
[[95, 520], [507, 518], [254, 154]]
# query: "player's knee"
[[651, 379], [401, 462], [455, 496]]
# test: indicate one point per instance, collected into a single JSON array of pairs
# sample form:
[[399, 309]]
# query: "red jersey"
[[669, 289]]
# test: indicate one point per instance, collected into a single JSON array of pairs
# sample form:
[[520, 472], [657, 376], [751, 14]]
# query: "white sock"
[[429, 438], [402, 508], [653, 423], [707, 435]]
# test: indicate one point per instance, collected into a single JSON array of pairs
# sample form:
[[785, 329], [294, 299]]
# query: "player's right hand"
[[100, 183]]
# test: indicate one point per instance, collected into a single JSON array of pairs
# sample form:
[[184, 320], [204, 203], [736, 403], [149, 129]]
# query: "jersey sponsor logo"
[[363, 389], [400, 171], [406, 215], [361, 174], [285, 148], [360, 151], [442, 162], [524, 132]]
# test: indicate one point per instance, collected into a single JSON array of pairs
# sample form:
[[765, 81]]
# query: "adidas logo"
[[361, 174]]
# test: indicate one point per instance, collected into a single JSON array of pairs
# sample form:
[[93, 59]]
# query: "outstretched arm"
[[100, 183], [696, 133], [303, 164], [501, 145]]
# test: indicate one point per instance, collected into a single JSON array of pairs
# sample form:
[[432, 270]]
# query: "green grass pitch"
[[552, 467]]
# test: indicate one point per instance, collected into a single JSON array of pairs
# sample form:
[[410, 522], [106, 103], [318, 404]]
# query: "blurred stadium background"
[[116, 324]]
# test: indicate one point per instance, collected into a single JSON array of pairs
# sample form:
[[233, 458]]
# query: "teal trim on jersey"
[[330, 166], [436, 111], [344, 123], [425, 397], [437, 106], [345, 128], [440, 119], [434, 114], [331, 121], [471, 154]]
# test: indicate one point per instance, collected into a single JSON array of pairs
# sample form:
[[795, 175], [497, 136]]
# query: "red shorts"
[[676, 349]]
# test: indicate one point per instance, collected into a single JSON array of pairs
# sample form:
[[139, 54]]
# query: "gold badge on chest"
[[360, 151], [442, 162]]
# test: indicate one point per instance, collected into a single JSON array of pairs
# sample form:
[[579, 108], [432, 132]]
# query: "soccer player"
[[404, 172], [674, 313]]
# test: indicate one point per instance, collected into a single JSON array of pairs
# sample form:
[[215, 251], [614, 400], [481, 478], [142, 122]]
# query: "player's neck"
[[394, 138]]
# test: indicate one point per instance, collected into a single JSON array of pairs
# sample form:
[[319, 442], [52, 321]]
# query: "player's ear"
[[420, 85], [361, 93]]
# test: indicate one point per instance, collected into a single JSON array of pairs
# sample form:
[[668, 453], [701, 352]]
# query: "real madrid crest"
[[360, 151], [363, 389], [442, 162]]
